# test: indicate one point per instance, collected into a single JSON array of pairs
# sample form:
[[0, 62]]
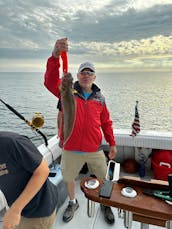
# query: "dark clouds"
[[131, 25], [29, 29], [40, 22]]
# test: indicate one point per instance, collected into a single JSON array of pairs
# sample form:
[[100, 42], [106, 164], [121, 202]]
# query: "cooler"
[[162, 164]]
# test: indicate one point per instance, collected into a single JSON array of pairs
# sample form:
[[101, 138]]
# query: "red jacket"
[[92, 115]]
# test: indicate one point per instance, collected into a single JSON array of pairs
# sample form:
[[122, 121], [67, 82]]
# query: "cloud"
[[103, 21], [120, 30]]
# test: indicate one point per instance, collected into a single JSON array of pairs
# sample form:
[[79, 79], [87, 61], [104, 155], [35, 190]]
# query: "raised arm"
[[52, 79]]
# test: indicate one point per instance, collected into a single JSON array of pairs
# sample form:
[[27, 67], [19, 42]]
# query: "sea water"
[[26, 93]]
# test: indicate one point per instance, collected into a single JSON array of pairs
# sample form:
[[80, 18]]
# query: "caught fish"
[[68, 105]]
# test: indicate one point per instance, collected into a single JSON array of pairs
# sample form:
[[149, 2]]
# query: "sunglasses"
[[84, 73]]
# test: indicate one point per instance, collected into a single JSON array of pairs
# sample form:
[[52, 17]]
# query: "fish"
[[68, 105]]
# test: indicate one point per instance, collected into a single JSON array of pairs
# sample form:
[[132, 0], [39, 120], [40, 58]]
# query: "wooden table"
[[142, 208]]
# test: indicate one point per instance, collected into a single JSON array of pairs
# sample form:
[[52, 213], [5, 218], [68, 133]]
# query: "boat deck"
[[81, 220]]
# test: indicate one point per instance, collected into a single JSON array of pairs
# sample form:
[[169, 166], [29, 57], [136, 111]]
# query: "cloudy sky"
[[117, 35]]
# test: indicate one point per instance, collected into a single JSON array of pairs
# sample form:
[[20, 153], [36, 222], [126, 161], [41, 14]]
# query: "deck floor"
[[82, 221]]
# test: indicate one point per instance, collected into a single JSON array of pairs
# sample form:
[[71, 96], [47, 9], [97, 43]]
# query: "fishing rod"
[[36, 120]]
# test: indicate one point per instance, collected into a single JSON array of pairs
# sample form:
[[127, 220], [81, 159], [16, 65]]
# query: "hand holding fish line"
[[66, 88], [62, 88]]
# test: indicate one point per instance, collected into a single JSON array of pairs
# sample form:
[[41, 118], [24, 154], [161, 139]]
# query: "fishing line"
[[26, 121]]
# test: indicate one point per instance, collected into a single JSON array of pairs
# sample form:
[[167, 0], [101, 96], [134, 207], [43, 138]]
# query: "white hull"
[[125, 143]]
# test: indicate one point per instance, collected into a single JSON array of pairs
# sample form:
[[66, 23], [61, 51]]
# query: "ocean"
[[25, 92]]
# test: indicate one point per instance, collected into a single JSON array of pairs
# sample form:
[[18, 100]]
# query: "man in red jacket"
[[92, 118]]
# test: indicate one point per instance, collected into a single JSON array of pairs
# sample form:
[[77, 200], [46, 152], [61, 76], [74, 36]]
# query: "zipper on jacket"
[[85, 116], [85, 119]]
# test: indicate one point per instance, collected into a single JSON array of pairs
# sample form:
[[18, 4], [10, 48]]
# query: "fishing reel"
[[38, 120]]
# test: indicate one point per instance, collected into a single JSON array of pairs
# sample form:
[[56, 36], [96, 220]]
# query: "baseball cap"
[[86, 65]]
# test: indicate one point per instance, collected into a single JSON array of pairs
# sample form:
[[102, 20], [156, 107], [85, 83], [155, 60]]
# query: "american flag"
[[136, 123]]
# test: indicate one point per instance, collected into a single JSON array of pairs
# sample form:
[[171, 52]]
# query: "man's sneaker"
[[108, 214], [69, 212]]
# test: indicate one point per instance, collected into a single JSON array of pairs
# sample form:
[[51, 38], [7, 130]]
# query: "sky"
[[116, 35]]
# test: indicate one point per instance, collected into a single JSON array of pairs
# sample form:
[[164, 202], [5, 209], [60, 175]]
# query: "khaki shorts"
[[72, 163], [37, 223]]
